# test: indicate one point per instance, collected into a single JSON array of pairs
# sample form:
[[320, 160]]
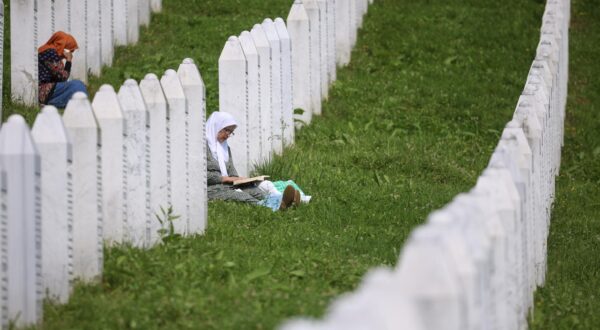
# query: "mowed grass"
[[571, 296], [409, 124]]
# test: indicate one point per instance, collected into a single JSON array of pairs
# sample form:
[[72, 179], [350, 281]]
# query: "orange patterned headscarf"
[[60, 41]]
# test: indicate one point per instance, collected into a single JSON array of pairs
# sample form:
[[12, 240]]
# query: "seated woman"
[[54, 89], [222, 173]]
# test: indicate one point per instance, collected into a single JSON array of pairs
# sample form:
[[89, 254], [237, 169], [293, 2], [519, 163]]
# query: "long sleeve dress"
[[217, 190]]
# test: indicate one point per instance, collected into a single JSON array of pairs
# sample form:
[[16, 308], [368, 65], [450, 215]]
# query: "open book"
[[259, 178]]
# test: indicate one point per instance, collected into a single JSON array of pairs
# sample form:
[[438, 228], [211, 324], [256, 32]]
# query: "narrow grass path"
[[571, 297], [409, 124]]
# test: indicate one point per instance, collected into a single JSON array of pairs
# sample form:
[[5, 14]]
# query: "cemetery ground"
[[409, 124]]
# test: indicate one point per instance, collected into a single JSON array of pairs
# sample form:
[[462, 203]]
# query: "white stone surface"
[[264, 55], [156, 104], [195, 94], [144, 12], [428, 280], [233, 99], [79, 31], [87, 197], [324, 50], [62, 16], [106, 31], [54, 146], [276, 85], [312, 10], [342, 32], [111, 120], [45, 20], [253, 90], [22, 266], [353, 22], [287, 116], [179, 132], [23, 50], [133, 29], [94, 47], [138, 173], [120, 22], [331, 40], [298, 28], [1, 69]]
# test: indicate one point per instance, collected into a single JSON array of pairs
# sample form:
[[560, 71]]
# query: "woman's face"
[[225, 133]]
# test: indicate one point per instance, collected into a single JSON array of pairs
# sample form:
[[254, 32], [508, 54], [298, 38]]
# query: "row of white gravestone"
[[476, 263], [268, 73], [99, 174], [97, 25]]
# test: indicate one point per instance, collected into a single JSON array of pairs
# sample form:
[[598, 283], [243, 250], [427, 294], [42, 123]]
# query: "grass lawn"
[[409, 124], [571, 297]]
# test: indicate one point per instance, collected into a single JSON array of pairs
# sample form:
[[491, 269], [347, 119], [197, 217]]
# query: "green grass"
[[409, 124], [571, 297]]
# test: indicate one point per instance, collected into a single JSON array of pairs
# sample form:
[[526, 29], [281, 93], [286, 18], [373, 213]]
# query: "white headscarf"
[[216, 122]]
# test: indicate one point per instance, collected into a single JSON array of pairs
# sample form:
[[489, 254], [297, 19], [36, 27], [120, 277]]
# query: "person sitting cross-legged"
[[54, 87]]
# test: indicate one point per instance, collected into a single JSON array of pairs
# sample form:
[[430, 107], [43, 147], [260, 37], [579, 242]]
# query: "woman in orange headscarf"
[[54, 87]]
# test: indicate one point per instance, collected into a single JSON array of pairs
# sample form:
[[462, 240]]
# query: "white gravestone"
[[276, 85], [79, 30], [87, 198], [298, 28], [94, 47], [54, 146], [109, 115], [120, 22], [1, 67], [144, 12], [233, 99], [156, 5], [287, 116], [133, 28], [106, 31], [264, 56], [323, 37], [353, 23], [23, 50], [62, 17], [342, 32], [452, 240], [195, 94], [312, 9], [138, 173], [428, 280], [45, 20], [156, 104], [22, 265], [252, 78], [513, 219], [331, 51], [178, 150], [3, 249]]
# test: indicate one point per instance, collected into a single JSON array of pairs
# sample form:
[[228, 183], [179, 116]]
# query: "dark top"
[[50, 71]]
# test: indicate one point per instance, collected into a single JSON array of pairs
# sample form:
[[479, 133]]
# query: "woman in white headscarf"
[[220, 126]]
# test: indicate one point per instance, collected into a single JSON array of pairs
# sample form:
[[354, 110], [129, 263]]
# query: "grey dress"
[[220, 191]]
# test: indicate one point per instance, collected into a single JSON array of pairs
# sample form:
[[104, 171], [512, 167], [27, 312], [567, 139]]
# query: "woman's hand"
[[230, 179], [68, 56]]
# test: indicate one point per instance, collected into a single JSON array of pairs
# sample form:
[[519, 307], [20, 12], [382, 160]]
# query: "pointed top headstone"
[[188, 73], [15, 138], [106, 103], [130, 96], [172, 85], [78, 112], [49, 128], [232, 50]]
